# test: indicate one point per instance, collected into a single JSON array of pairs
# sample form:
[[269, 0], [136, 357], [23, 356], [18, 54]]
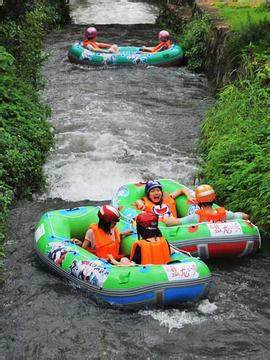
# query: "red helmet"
[[163, 35], [91, 32], [205, 193], [108, 213], [147, 220]]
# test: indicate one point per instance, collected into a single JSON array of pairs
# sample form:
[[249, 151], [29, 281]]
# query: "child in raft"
[[164, 44], [91, 44], [151, 247], [204, 197], [158, 202], [103, 239]]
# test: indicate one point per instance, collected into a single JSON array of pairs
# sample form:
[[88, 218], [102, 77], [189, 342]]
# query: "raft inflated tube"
[[235, 238], [184, 279], [126, 56]]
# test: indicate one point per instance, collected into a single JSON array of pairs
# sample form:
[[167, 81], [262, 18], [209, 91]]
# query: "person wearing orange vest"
[[91, 44], [151, 247], [160, 203], [164, 44], [103, 239], [205, 196]]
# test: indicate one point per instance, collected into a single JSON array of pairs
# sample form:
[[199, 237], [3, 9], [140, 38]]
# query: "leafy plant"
[[235, 143], [25, 134], [194, 40]]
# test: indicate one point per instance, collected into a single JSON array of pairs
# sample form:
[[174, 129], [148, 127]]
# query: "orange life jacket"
[[168, 206], [220, 215], [94, 44], [152, 252], [105, 245], [165, 44]]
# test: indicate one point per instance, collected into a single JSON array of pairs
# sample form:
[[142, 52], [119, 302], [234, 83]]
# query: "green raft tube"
[[127, 55], [185, 278], [235, 238]]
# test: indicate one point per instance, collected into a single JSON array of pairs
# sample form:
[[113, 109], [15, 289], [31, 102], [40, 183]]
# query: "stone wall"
[[218, 67]]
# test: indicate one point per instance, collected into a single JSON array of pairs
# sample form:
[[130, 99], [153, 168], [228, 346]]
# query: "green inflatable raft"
[[185, 278], [235, 238], [127, 55]]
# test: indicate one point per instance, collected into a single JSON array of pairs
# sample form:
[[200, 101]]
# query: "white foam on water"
[[94, 165], [113, 12], [177, 319], [205, 307], [83, 179], [174, 319]]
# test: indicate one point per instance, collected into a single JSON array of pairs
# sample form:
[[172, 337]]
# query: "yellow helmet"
[[205, 193]]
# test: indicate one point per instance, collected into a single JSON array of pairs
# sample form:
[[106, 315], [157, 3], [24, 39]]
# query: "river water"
[[113, 126]]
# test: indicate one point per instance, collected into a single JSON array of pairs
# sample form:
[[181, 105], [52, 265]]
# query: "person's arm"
[[76, 241], [89, 241], [172, 221], [104, 45], [146, 49], [125, 233], [179, 192], [107, 48], [236, 215], [100, 50], [140, 204], [112, 260]]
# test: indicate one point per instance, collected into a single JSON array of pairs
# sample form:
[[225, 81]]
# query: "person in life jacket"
[[103, 239], [151, 247], [160, 203], [91, 44], [164, 44], [205, 196]]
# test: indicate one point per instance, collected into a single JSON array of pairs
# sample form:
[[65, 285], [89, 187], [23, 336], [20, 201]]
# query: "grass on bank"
[[241, 14]]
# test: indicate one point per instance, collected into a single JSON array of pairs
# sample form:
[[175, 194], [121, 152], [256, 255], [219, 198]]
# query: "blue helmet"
[[151, 184]]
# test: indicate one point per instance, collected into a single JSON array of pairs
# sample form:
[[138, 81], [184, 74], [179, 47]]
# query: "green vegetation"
[[253, 40], [194, 40], [25, 135], [240, 18], [236, 133]]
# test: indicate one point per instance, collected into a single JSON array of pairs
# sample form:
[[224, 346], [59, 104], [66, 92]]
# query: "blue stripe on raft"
[[183, 294], [129, 299], [170, 296]]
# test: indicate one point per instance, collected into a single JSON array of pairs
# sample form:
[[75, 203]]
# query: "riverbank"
[[235, 132], [26, 136]]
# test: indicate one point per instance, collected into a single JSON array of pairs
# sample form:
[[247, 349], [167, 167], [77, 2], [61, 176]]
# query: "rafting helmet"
[[163, 35], [91, 33], [151, 184], [147, 220], [205, 193], [109, 213]]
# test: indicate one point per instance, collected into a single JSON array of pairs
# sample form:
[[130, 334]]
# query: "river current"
[[114, 126]]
